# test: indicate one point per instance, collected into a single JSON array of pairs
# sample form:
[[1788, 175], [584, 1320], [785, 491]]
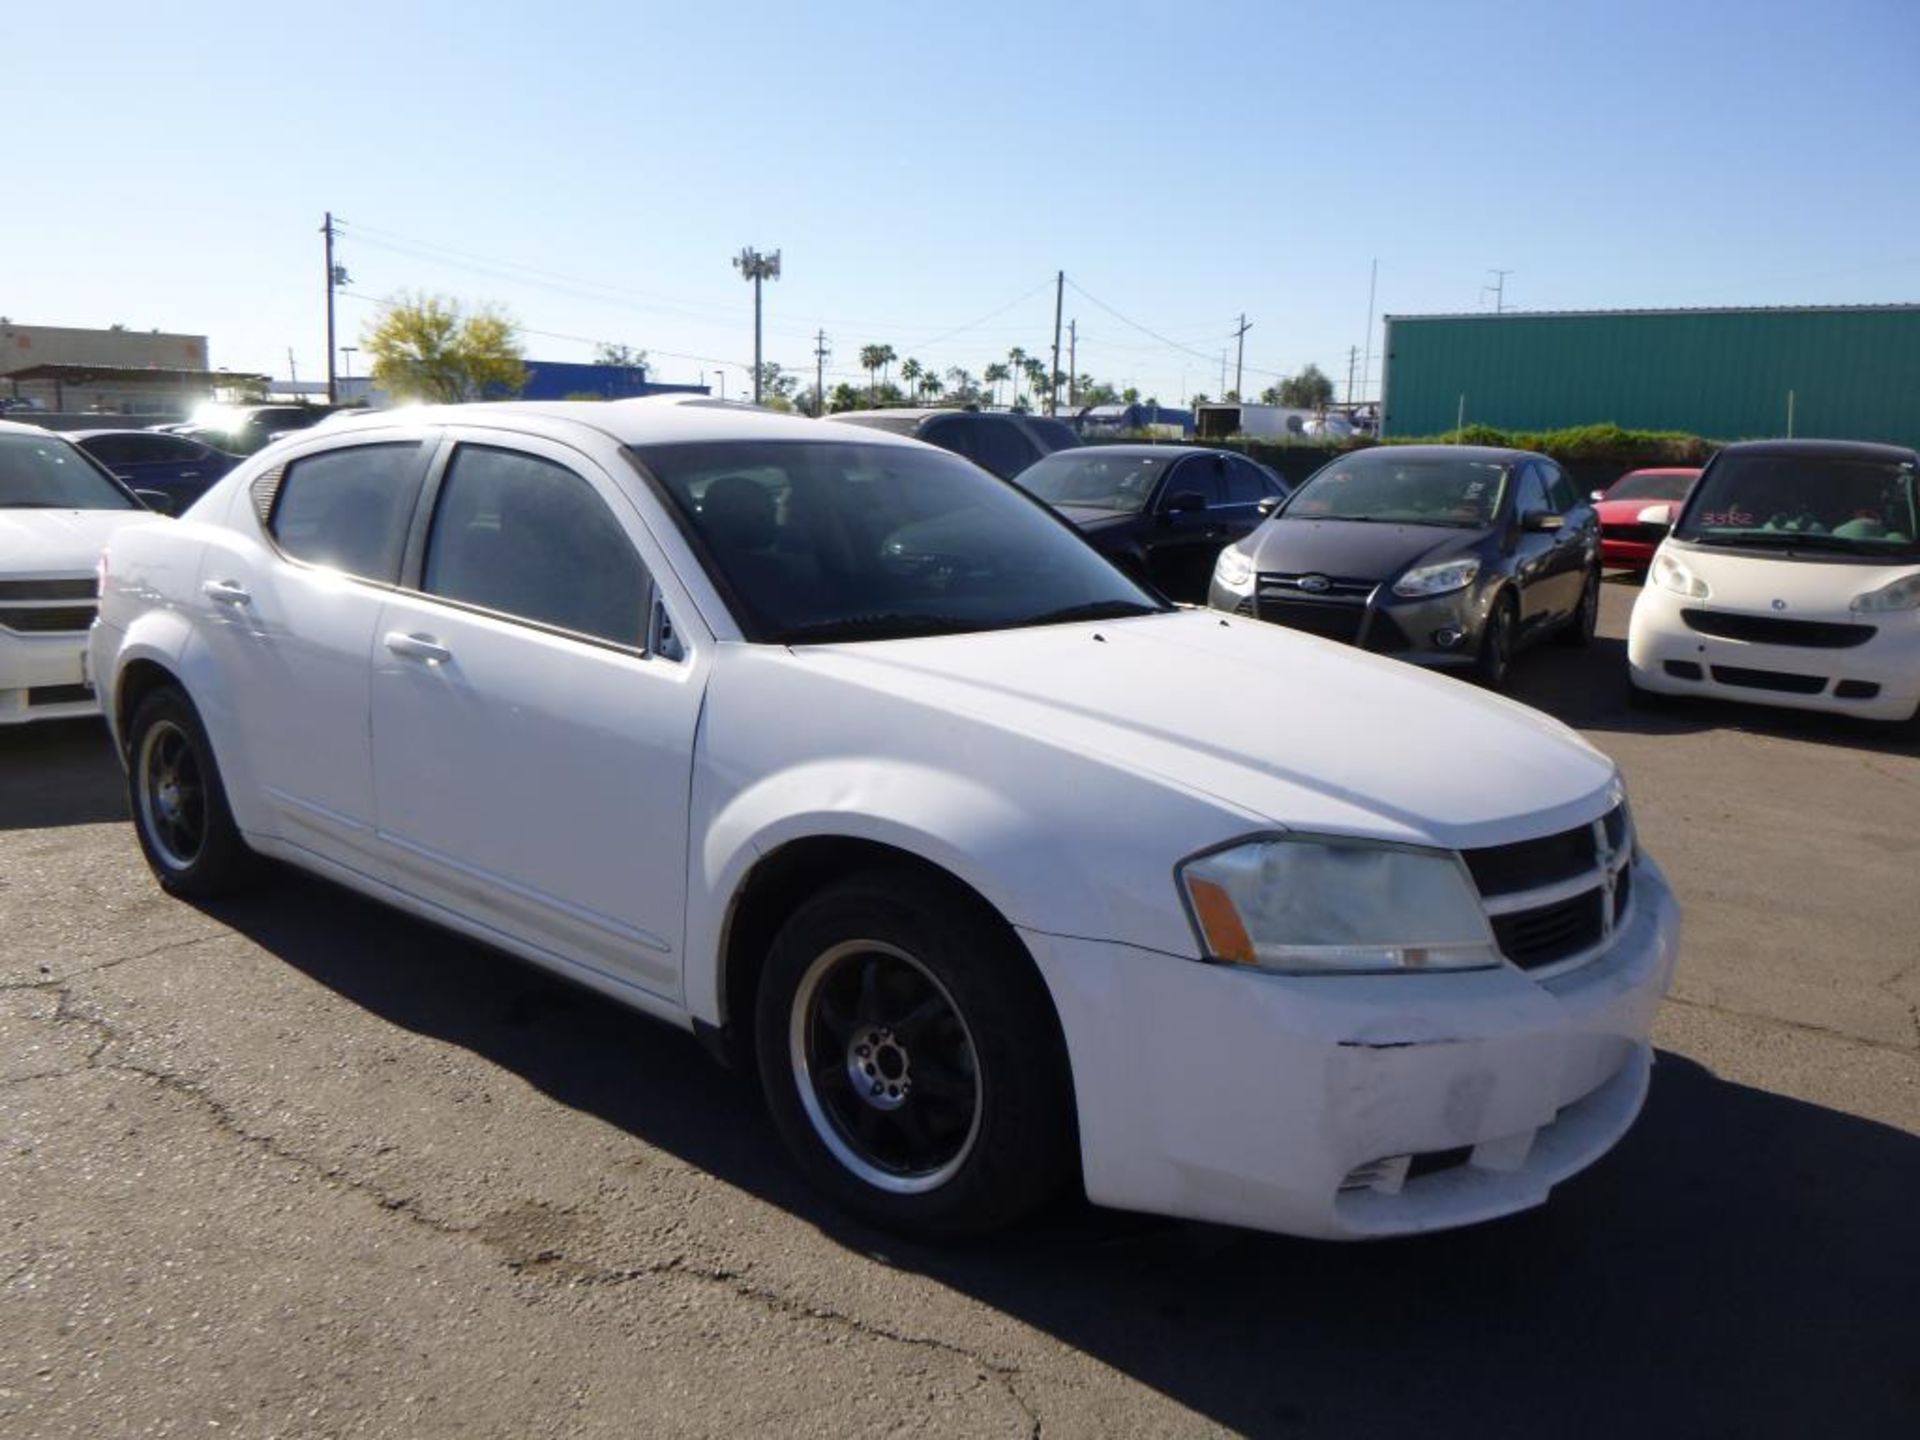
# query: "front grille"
[[1540, 909], [58, 695], [79, 589], [1635, 533], [1782, 681], [1336, 621], [1767, 630], [1532, 938], [37, 620], [1336, 587]]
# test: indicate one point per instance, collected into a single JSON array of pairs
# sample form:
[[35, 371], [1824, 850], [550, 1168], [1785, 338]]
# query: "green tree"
[[846, 397], [619, 357], [993, 375], [910, 371], [1271, 396], [1130, 396], [1016, 371], [1309, 390], [425, 347], [777, 384], [962, 386], [1198, 400]]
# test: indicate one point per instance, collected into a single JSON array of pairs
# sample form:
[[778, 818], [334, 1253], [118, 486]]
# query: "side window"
[[1004, 448], [1560, 489], [349, 509], [1532, 496], [525, 537], [1245, 484], [112, 450], [955, 435], [1201, 475]]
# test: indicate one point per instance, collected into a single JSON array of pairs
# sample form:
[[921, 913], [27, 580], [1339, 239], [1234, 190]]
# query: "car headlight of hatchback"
[[1319, 906], [1670, 574], [1902, 594], [1438, 578], [1233, 570]]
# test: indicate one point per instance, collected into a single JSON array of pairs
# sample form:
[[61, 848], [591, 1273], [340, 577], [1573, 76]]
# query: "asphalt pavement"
[[299, 1166]]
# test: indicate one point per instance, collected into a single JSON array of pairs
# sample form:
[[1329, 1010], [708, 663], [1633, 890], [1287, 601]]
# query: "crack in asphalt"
[[69, 1010], [1807, 1026], [56, 982]]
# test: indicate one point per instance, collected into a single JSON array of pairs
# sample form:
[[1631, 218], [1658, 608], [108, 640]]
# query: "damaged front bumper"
[[1343, 1107]]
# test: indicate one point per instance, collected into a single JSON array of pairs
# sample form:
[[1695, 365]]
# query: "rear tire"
[[179, 803], [1580, 627], [911, 1058]]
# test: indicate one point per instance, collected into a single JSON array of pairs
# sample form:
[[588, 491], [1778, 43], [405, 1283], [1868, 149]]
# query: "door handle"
[[189, 475], [418, 647], [226, 592]]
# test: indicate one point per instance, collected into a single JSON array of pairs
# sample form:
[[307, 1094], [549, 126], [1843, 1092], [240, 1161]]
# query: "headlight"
[[1324, 906], [1670, 574], [1902, 594], [1437, 579], [1233, 570]]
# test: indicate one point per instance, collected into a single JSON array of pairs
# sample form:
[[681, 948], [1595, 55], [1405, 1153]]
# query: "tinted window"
[[955, 433], [1247, 484], [1532, 499], [38, 472], [1096, 476], [1199, 475], [822, 541], [349, 509], [1000, 446], [529, 538], [1054, 434], [1387, 484], [1806, 501], [1560, 489]]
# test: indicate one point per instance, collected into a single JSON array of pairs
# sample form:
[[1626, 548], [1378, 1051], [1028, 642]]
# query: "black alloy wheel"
[[1494, 663], [179, 804], [1580, 627]]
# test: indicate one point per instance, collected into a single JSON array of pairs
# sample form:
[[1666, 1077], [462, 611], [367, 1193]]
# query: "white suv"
[[830, 747]]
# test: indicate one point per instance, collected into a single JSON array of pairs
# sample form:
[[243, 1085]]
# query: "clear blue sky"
[[597, 164]]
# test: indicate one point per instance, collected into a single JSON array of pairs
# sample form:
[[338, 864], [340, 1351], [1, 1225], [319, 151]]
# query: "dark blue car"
[[177, 467]]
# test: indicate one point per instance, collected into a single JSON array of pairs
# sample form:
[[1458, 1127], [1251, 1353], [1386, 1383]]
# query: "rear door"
[[1538, 556], [1183, 544], [289, 607], [532, 739]]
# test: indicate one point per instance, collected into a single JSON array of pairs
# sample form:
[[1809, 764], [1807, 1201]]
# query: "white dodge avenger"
[[863, 766]]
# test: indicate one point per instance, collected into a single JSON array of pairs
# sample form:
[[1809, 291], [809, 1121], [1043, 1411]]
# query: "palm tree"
[[961, 383], [1036, 378], [1017, 367], [929, 385], [993, 375], [887, 357], [910, 372], [872, 357]]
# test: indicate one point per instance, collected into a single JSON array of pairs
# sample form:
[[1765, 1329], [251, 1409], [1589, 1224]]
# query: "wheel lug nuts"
[[862, 1051]]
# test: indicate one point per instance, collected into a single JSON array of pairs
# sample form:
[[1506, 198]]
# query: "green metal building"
[[1852, 371]]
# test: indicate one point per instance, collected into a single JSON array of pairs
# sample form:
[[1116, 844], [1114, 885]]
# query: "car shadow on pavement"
[[59, 772], [1742, 1265]]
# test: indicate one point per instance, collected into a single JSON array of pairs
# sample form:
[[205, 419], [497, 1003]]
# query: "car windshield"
[[1381, 486], [1651, 485], [813, 542], [39, 473], [1814, 503], [1095, 478]]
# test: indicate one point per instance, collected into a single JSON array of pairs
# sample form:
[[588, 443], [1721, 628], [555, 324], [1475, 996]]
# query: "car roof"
[[1836, 449], [15, 427], [1663, 470], [650, 420], [1505, 455], [119, 430], [1172, 452]]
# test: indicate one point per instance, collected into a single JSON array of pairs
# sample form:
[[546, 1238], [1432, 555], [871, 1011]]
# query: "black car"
[[1162, 511], [1003, 443], [177, 466], [1450, 555]]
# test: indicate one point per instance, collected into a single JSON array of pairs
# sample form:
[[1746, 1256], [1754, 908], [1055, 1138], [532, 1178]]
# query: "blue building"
[[559, 379]]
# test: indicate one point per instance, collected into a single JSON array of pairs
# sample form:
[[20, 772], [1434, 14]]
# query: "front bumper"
[[1627, 554], [42, 677], [1439, 630], [1293, 1104], [1879, 680]]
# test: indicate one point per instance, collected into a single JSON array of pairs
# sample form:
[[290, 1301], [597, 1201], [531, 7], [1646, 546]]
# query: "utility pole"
[[336, 277], [1073, 362], [1240, 339], [1499, 289], [1053, 380], [347, 353], [819, 374], [1366, 364], [1353, 352], [293, 372], [756, 267]]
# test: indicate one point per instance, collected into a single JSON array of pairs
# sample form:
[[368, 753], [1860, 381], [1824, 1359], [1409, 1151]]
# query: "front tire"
[[179, 804], [1494, 663], [911, 1059]]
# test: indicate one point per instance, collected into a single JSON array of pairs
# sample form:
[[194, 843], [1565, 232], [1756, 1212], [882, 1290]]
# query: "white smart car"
[[57, 509], [1791, 577], [828, 746]]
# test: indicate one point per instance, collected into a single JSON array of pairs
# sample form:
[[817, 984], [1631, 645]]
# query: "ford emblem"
[[1779, 604], [1319, 585]]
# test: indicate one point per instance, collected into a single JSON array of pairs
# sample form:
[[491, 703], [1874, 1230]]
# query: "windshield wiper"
[[1781, 540], [872, 627], [1092, 610]]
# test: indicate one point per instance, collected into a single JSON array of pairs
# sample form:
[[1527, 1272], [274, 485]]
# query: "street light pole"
[[756, 267]]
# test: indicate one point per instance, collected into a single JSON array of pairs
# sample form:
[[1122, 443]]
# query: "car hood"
[[1801, 589], [1627, 512], [1280, 728], [1351, 549], [63, 542]]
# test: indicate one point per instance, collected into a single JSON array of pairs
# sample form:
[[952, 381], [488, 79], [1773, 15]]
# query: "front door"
[[532, 757]]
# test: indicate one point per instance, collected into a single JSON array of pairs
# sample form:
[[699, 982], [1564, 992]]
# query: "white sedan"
[[57, 508], [861, 765]]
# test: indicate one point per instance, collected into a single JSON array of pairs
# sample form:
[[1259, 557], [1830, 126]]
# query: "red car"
[[1624, 541]]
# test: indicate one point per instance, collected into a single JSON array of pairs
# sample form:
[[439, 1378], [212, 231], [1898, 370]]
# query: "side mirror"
[[157, 500], [1541, 521], [1186, 503], [1268, 504], [1661, 515], [1597, 496]]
